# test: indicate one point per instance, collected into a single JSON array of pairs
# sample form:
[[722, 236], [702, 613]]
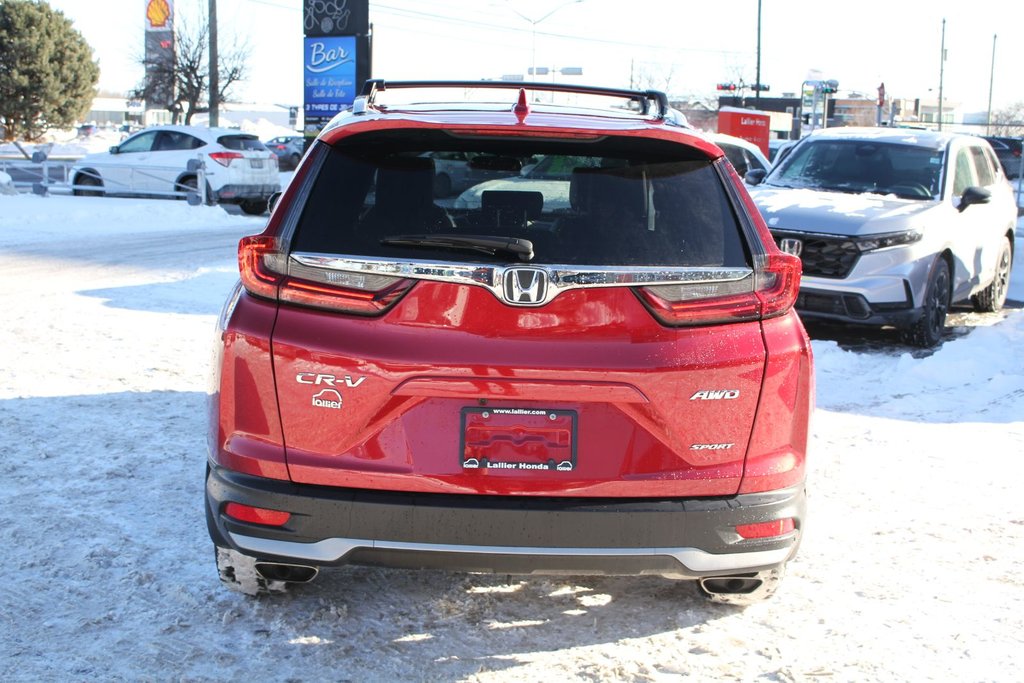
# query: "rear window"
[[609, 203], [242, 143]]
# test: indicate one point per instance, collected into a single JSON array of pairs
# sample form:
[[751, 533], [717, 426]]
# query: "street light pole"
[[757, 78], [942, 67], [214, 73], [533, 23], [991, 81]]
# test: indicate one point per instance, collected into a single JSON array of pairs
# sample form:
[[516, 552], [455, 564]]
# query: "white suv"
[[164, 161], [892, 226]]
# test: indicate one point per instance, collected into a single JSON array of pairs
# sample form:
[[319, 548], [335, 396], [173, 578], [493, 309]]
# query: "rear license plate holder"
[[256, 163], [518, 439]]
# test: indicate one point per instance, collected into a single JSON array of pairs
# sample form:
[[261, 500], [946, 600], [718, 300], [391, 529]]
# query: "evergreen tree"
[[47, 72]]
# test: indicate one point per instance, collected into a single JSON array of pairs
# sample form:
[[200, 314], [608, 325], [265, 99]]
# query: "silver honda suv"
[[892, 226]]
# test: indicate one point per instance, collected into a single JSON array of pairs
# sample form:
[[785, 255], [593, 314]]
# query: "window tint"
[[143, 142], [242, 143], [964, 176], [736, 157], [983, 167], [593, 209], [175, 141]]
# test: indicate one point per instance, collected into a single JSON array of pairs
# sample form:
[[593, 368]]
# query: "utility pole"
[[214, 72], [942, 67], [991, 81], [757, 77]]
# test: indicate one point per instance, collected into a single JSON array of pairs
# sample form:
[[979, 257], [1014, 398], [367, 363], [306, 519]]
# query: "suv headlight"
[[890, 239]]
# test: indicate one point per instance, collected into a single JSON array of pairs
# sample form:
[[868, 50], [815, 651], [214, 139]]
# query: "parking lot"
[[909, 569]]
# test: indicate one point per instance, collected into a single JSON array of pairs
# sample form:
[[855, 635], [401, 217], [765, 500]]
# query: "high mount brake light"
[[225, 158], [266, 272], [763, 295]]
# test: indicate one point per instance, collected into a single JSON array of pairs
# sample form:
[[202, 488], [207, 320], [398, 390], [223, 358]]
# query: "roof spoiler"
[[643, 98]]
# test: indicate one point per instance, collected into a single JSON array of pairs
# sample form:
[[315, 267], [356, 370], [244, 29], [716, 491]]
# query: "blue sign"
[[329, 74]]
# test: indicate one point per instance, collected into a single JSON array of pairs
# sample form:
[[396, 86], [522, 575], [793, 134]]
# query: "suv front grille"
[[830, 256]]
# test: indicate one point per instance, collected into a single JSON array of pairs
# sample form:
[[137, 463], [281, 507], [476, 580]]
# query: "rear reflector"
[[776, 527], [765, 294], [254, 515], [266, 272]]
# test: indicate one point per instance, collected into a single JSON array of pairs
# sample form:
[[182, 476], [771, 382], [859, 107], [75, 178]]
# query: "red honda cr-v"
[[588, 362]]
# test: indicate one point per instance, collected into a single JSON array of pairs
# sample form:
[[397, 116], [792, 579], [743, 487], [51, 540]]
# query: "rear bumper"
[[678, 538], [230, 194]]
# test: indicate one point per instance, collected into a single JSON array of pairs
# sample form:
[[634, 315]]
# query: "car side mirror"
[[114, 149], [755, 176], [973, 195]]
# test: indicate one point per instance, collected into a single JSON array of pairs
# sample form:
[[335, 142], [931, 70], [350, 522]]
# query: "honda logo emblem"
[[525, 286], [791, 246]]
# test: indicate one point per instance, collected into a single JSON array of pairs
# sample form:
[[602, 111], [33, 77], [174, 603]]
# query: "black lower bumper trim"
[[519, 535]]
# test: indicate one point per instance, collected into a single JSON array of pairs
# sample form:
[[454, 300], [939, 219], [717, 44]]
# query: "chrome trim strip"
[[560, 277], [334, 549]]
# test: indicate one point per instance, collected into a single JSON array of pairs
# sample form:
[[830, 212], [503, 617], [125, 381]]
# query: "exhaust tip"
[[731, 585], [292, 573]]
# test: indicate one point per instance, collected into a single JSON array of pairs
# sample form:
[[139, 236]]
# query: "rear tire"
[[253, 207], [927, 332], [88, 181], [238, 572], [992, 298], [770, 581]]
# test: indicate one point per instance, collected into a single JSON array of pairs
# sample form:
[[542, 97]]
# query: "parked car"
[[550, 175], [893, 226], [742, 154], [288, 149], [621, 387], [161, 161], [1009, 152]]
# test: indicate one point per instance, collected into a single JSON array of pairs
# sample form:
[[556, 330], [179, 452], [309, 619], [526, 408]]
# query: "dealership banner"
[[336, 58], [159, 46]]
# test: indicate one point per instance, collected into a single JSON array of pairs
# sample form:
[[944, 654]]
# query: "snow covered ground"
[[910, 568]]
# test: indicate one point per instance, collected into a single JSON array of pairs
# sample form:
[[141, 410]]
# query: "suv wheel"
[[927, 332], [993, 297], [744, 589], [88, 180], [254, 207]]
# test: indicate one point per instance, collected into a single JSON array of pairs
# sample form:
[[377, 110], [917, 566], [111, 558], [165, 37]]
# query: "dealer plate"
[[521, 439]]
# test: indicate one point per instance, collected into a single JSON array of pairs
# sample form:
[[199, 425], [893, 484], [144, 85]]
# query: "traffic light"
[[731, 87], [760, 87], [829, 87]]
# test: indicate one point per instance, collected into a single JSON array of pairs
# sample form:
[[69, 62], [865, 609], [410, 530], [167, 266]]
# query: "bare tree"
[[1009, 121], [187, 76]]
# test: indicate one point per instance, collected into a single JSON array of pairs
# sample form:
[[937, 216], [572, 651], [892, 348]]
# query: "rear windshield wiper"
[[487, 244]]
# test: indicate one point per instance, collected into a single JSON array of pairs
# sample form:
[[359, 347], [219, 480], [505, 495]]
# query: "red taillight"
[[266, 272], [350, 300], [225, 158], [255, 515], [259, 263], [776, 527], [763, 295]]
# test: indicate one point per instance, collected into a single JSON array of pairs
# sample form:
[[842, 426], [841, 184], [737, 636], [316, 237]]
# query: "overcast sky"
[[683, 47]]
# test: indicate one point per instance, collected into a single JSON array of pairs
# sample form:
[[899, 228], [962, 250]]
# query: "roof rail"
[[643, 98]]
